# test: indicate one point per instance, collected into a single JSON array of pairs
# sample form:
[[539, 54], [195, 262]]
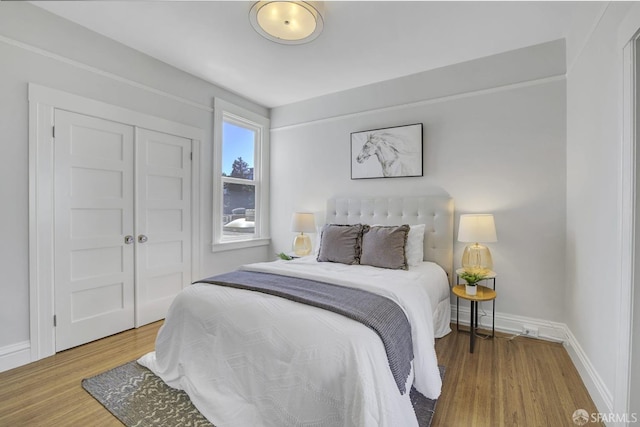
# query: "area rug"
[[138, 398]]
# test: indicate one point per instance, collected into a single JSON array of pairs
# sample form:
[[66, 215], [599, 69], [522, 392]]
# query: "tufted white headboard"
[[434, 211]]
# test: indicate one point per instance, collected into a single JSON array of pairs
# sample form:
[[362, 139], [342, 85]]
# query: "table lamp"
[[476, 229], [303, 222]]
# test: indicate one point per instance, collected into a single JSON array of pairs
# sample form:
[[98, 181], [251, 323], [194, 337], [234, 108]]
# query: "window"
[[240, 180]]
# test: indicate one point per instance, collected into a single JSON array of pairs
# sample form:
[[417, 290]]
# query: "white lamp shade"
[[303, 222], [477, 228]]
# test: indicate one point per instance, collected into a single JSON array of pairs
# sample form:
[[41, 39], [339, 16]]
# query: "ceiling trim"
[[436, 100], [107, 74]]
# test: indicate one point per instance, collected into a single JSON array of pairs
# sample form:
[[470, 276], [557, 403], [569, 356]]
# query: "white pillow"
[[316, 245], [415, 245]]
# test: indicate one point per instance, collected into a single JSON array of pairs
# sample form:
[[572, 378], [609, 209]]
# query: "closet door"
[[163, 222], [93, 259]]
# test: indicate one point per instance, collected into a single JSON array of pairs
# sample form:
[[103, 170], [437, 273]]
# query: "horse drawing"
[[396, 156]]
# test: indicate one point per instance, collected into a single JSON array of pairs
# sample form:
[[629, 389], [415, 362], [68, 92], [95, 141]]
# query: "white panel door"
[[93, 192], [163, 222]]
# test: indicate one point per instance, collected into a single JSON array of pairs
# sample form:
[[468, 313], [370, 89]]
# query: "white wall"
[[38, 47], [594, 157], [498, 147]]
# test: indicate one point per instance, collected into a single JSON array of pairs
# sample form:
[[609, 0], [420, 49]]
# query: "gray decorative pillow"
[[384, 246], [340, 243]]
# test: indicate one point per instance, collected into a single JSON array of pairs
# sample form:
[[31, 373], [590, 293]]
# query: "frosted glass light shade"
[[287, 22], [477, 228]]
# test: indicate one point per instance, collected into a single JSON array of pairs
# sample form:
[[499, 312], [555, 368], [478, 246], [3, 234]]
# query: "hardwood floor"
[[48, 392], [518, 382], [522, 382]]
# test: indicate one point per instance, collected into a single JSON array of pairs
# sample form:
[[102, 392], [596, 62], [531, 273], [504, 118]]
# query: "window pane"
[[238, 146], [239, 210]]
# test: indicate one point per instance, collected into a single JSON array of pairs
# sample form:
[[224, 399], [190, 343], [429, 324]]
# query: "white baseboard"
[[550, 331], [601, 395], [510, 323], [14, 355]]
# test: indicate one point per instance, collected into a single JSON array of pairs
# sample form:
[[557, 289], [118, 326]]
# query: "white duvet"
[[250, 359]]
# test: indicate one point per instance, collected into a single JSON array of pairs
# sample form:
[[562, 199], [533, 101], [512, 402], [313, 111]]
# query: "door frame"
[[630, 194], [42, 103]]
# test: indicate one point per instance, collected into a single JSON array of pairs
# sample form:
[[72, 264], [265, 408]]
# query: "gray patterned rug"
[[138, 398]]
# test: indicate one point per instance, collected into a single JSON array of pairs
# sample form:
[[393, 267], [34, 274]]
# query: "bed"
[[249, 358]]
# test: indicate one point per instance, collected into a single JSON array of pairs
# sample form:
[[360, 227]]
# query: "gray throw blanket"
[[379, 313]]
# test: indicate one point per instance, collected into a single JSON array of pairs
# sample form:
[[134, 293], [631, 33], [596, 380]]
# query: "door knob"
[[142, 238], [128, 240]]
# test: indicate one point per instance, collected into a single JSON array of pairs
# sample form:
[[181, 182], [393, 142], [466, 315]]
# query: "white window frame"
[[225, 110]]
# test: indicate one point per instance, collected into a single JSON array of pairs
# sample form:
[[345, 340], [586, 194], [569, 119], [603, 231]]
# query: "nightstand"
[[484, 293]]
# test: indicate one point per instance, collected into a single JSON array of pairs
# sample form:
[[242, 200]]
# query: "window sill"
[[241, 244]]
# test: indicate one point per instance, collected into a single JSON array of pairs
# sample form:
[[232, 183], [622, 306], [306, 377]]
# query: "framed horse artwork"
[[387, 153]]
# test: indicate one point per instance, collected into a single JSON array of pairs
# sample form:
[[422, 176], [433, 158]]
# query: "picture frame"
[[392, 152]]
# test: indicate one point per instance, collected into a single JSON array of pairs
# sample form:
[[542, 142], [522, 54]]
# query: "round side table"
[[484, 294]]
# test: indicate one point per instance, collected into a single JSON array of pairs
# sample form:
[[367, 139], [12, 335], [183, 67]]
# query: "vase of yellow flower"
[[472, 276]]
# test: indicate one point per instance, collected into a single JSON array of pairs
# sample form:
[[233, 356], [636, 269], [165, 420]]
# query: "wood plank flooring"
[[48, 392], [522, 382], [508, 382]]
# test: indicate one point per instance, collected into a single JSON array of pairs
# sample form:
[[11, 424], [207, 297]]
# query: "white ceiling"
[[363, 42]]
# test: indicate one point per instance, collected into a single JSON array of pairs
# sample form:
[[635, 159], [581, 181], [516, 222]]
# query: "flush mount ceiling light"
[[287, 22]]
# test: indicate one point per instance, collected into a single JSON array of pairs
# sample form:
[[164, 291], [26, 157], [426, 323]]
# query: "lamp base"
[[477, 256], [302, 245]]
